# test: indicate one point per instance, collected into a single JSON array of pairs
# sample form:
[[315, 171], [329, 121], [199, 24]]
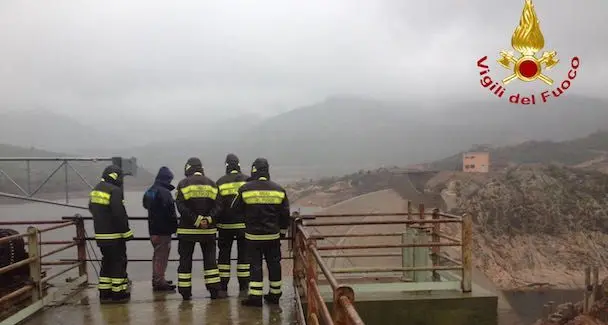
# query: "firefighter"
[[265, 206], [196, 195], [112, 231], [231, 225]]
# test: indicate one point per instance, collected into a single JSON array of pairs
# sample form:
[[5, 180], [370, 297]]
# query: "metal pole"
[[29, 177], [34, 251], [82, 247], [67, 191], [436, 250], [467, 251]]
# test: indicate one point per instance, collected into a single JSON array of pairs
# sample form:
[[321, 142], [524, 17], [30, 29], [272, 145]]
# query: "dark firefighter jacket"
[[196, 195], [110, 219], [265, 206], [228, 186], [162, 219]]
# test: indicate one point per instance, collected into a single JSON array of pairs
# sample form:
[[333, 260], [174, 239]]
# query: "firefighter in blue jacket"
[[112, 231], [196, 195], [265, 206]]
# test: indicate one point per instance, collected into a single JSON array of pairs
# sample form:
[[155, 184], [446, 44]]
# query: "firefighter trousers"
[[211, 273], [113, 280], [226, 237], [271, 251]]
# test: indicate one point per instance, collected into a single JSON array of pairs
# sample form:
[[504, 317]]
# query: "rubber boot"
[[185, 292], [272, 299], [105, 296], [218, 294], [121, 297], [252, 301], [243, 288]]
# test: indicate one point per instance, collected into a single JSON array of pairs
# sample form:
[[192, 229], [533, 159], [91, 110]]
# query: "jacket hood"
[[232, 163], [192, 166], [113, 175], [165, 177], [260, 168]]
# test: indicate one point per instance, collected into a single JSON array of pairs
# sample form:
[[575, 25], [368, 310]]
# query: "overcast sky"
[[160, 58]]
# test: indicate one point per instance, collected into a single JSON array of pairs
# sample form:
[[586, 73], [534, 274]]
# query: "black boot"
[[272, 299], [218, 294], [121, 297], [252, 301], [105, 296], [185, 292]]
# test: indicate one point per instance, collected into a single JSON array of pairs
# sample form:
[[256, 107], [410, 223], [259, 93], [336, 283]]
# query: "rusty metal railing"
[[38, 280], [424, 222], [307, 260]]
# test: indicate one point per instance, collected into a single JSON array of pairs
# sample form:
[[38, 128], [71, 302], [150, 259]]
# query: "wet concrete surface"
[[148, 308]]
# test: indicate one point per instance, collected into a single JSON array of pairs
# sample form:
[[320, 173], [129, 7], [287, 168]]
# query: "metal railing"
[[307, 260], [421, 221], [38, 281]]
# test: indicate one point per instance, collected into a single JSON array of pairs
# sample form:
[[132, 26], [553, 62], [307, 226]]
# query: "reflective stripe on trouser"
[[275, 287], [113, 273], [271, 250], [211, 272], [256, 288], [105, 283], [224, 270], [184, 280], [225, 241]]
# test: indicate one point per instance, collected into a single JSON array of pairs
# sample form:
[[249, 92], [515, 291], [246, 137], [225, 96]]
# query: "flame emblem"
[[528, 40]]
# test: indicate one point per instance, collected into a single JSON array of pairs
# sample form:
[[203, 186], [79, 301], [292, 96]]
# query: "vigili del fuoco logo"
[[526, 66]]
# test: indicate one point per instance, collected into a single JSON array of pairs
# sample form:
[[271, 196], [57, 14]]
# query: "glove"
[[283, 233]]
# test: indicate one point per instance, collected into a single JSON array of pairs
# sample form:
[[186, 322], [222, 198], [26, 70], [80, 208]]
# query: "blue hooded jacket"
[[162, 217]]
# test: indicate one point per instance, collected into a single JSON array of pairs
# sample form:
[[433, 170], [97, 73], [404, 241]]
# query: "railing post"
[[409, 210], [467, 247], [81, 245], [421, 214], [340, 316], [311, 280], [588, 289], [435, 250], [35, 266]]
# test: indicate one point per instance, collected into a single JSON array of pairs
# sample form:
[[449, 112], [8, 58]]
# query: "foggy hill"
[[571, 152], [91, 171], [342, 135], [49, 131]]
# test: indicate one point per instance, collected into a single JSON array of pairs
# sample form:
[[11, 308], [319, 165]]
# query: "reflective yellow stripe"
[[242, 266], [212, 280], [105, 279], [119, 288], [199, 191], [211, 272], [104, 286], [275, 291], [230, 188], [243, 274], [263, 197], [262, 237], [224, 267], [276, 283], [99, 197], [256, 284], [254, 292], [187, 231], [231, 225], [185, 276], [224, 274], [108, 236], [127, 234], [184, 284]]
